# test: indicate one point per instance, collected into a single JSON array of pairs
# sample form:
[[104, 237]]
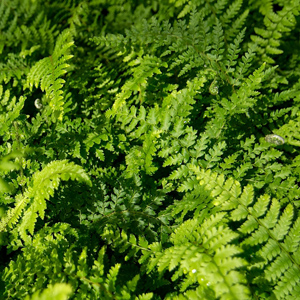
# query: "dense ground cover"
[[149, 149]]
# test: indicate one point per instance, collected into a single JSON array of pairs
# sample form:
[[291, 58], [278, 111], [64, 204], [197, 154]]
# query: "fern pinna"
[[149, 149]]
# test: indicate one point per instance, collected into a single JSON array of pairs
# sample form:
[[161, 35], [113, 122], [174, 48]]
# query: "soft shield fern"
[[149, 149], [47, 74], [33, 201], [265, 223], [204, 255]]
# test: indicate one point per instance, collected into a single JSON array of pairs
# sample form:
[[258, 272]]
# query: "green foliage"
[[266, 223], [203, 255], [47, 72], [149, 149], [57, 254], [277, 24], [33, 200], [59, 291]]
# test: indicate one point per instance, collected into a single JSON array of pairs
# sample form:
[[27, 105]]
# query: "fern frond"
[[10, 110], [15, 67], [33, 201], [23, 32], [59, 260], [290, 132], [202, 254], [277, 24], [146, 68], [236, 26], [218, 43], [265, 6], [47, 74], [233, 52], [265, 224], [240, 102]]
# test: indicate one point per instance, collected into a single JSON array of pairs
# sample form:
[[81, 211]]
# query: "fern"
[[201, 254], [268, 40], [21, 31], [177, 122], [48, 71], [33, 201], [264, 225], [55, 243], [10, 111]]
